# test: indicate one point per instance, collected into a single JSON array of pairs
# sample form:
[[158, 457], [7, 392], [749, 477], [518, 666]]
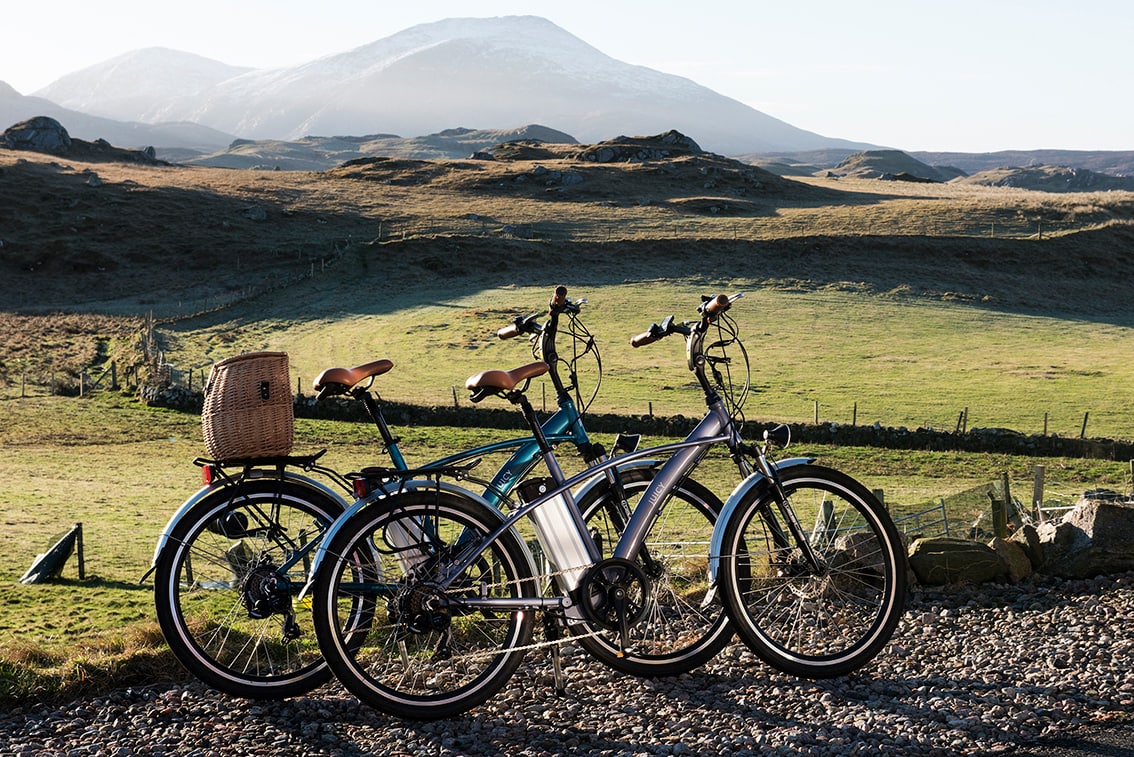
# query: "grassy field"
[[865, 301], [867, 359], [120, 469]]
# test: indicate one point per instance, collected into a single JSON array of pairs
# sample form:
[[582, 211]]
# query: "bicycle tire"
[[422, 657], [805, 622], [680, 631], [222, 556]]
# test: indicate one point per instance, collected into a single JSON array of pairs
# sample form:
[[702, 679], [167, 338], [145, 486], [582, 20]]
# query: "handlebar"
[[514, 329], [711, 308], [559, 303], [659, 331], [559, 298]]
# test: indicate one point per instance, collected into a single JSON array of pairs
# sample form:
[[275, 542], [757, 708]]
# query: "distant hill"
[[476, 72], [1050, 179], [159, 78], [320, 153], [15, 108], [813, 162], [888, 164], [1112, 162]]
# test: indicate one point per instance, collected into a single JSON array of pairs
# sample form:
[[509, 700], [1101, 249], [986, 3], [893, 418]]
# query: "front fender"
[[204, 491], [754, 481], [382, 493]]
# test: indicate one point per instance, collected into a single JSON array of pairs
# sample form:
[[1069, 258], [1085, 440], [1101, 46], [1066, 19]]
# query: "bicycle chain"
[[542, 577]]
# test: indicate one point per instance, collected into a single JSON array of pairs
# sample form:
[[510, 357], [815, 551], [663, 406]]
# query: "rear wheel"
[[226, 602], [428, 650], [683, 623], [814, 620]]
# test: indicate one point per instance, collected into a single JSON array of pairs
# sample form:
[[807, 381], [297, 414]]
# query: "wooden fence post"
[[79, 551], [1000, 514], [1083, 432], [1037, 494], [881, 495]]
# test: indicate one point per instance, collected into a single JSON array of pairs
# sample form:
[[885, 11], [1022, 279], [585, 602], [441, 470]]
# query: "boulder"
[[947, 560], [623, 149], [39, 134], [1095, 538], [1015, 557], [1028, 539]]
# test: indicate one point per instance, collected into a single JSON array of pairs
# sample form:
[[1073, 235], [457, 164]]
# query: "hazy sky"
[[964, 75]]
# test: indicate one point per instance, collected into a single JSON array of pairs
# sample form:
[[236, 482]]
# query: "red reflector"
[[208, 475], [361, 487]]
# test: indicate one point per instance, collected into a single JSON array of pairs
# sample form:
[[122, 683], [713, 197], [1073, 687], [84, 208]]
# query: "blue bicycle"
[[231, 562]]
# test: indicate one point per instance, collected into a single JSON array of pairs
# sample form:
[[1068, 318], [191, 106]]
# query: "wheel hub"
[[265, 592], [423, 608]]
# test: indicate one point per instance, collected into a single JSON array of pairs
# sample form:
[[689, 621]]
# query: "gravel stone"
[[989, 669]]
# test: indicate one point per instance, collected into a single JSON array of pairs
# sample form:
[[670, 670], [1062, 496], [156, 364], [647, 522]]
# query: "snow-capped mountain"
[[466, 72], [139, 86]]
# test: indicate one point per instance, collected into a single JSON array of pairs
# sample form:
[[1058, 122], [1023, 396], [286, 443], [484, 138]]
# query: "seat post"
[[517, 397]]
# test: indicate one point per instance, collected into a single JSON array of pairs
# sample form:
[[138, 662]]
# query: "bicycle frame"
[[715, 428]]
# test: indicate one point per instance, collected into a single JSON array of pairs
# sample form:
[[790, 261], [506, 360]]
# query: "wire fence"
[[718, 218], [975, 512]]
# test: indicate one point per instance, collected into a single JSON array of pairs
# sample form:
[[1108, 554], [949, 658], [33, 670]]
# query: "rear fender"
[[593, 483], [384, 492], [316, 486]]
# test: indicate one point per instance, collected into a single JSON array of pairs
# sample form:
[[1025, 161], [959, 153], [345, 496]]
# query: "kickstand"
[[551, 632]]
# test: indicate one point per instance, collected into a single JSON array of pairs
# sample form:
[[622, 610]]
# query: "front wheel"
[[434, 642], [226, 583], [823, 607]]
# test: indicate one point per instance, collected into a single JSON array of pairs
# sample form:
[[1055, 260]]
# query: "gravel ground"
[[996, 669]]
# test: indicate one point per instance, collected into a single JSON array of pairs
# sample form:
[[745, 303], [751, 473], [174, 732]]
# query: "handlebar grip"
[[559, 298], [509, 331], [646, 337], [717, 305]]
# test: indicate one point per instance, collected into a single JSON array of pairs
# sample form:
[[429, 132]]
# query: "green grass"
[[887, 358], [121, 469]]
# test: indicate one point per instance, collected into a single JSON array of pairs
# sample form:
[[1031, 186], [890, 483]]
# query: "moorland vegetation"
[[867, 301]]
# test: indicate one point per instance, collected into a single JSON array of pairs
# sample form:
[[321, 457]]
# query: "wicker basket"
[[248, 407]]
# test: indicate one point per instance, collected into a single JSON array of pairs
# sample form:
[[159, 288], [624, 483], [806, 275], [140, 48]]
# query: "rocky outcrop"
[[39, 134], [640, 149], [1094, 538], [946, 560], [46, 135]]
